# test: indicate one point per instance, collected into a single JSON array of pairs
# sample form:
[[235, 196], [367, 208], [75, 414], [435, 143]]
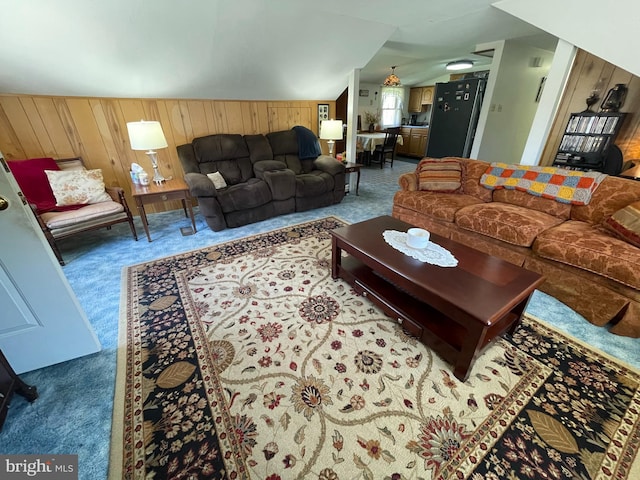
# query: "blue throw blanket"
[[308, 144]]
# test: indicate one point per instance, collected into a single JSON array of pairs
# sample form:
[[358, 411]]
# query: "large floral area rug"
[[247, 360]]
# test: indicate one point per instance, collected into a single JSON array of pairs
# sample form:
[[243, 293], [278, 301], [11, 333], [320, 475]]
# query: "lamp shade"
[[392, 80], [331, 130], [146, 135], [459, 65]]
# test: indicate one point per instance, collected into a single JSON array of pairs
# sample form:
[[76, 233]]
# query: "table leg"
[[470, 348], [186, 203], [143, 217], [336, 253], [518, 310], [357, 181]]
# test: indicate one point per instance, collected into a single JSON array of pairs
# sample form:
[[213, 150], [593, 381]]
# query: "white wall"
[[370, 103], [551, 96], [608, 30], [512, 103]]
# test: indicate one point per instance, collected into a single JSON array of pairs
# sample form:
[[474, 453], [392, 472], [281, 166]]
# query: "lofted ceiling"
[[240, 49]]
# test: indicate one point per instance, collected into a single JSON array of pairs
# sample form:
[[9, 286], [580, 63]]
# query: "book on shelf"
[[610, 125], [599, 127]]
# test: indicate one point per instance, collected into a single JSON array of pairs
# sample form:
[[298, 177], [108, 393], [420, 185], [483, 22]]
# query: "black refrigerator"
[[454, 117]]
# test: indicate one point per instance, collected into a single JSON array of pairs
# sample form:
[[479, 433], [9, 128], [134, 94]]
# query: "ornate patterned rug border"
[[620, 459]]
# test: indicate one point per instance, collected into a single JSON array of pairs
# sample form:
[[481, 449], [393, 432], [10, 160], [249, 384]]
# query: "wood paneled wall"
[[96, 128], [588, 72]]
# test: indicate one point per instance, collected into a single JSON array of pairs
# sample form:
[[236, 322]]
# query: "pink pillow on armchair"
[[34, 182]]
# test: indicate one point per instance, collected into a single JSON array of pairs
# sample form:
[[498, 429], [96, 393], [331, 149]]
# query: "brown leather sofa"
[[585, 265], [265, 176]]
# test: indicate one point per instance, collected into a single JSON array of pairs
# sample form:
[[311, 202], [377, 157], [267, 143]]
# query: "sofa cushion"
[[439, 205], [523, 199], [313, 184], [509, 223], [259, 148], [224, 153], [591, 248], [57, 220], [625, 223], [250, 194], [33, 181], [613, 194], [439, 175], [472, 171], [284, 145], [77, 187]]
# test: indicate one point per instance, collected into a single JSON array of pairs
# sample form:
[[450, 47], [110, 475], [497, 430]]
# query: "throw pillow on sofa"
[[217, 179], [439, 175], [625, 223], [77, 187]]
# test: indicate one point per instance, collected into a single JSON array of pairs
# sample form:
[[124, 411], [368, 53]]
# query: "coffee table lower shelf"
[[458, 344]]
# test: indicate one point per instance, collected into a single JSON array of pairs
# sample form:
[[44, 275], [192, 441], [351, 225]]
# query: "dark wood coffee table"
[[456, 311]]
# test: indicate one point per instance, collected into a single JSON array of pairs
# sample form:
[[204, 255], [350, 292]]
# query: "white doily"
[[432, 253]]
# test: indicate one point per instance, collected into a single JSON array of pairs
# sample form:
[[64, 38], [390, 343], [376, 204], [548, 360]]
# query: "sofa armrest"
[[267, 166], [408, 182], [329, 164], [200, 185]]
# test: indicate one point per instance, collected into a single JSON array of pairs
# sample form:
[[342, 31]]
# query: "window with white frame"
[[392, 100]]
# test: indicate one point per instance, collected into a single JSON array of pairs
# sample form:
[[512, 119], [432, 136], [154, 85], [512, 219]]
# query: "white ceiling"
[[239, 49]]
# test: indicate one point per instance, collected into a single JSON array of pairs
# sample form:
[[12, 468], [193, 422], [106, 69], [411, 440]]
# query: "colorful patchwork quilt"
[[566, 186]]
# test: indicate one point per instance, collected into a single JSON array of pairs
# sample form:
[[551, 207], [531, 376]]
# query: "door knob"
[[4, 203]]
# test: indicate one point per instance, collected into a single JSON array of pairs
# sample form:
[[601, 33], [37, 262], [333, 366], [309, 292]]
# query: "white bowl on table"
[[417, 237]]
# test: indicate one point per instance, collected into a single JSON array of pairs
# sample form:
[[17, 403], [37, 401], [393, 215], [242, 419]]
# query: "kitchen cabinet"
[[415, 100], [419, 96], [427, 95], [414, 141], [405, 133], [418, 142]]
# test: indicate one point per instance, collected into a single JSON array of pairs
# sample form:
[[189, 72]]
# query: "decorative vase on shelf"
[[372, 127], [591, 100]]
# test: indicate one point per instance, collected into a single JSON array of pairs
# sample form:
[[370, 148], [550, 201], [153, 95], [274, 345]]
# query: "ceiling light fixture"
[[459, 65], [392, 80]]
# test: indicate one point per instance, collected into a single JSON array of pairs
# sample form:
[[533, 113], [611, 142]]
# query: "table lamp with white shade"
[[331, 130], [148, 135]]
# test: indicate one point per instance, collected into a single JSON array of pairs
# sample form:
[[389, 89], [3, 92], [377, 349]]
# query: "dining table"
[[368, 141]]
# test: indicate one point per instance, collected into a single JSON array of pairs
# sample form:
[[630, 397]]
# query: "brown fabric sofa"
[[265, 176], [585, 265]]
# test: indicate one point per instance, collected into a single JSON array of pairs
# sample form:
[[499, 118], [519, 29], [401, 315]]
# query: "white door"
[[41, 321]]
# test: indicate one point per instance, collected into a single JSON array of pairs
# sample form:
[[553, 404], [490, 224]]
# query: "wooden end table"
[[174, 189], [456, 311], [354, 168]]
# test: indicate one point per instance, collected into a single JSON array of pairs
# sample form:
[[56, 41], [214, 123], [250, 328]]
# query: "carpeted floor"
[[73, 413], [247, 360]]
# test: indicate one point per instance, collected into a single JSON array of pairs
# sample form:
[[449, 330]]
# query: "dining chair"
[[387, 148]]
